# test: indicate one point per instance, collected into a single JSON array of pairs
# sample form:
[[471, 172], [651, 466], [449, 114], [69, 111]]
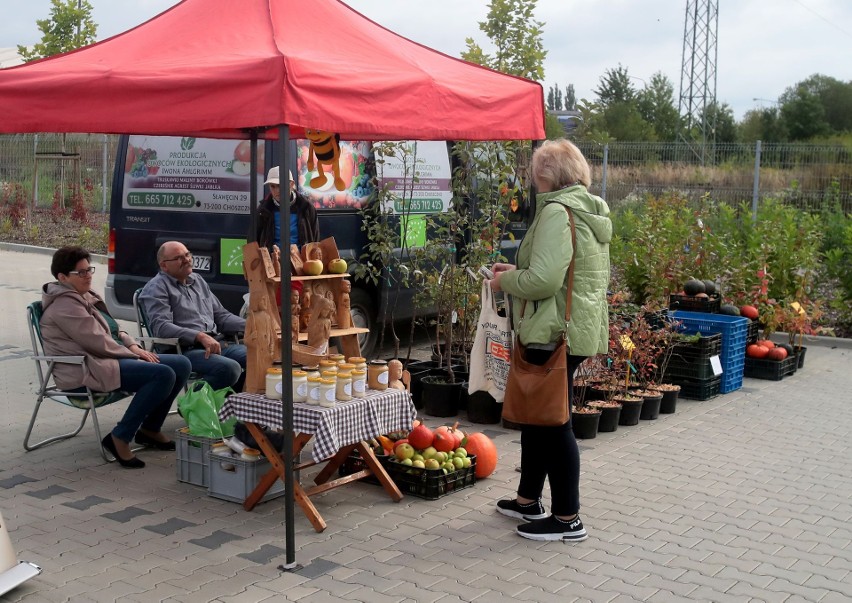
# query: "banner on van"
[[189, 174], [353, 165], [430, 192]]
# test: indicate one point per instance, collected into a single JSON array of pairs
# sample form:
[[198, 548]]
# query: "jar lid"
[[313, 367], [300, 374], [328, 363], [345, 366], [329, 374], [251, 452], [273, 371], [336, 357], [314, 379], [359, 372], [378, 362], [357, 360], [328, 381], [344, 375]]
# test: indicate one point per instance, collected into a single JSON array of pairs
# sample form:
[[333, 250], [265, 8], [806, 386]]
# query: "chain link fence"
[[804, 175], [807, 176], [53, 166]]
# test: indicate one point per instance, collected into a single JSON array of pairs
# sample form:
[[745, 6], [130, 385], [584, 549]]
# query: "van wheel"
[[364, 316]]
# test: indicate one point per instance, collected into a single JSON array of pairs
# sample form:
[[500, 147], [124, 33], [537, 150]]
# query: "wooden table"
[[337, 432]]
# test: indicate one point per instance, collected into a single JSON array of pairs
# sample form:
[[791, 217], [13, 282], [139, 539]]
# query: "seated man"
[[179, 304]]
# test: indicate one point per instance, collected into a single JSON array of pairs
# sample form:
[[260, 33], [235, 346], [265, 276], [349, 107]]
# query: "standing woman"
[[75, 322], [561, 175]]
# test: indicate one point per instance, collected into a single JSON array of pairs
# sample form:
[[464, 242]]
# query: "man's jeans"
[[156, 385], [220, 370]]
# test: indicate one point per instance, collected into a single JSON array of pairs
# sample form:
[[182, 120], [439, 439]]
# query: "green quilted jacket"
[[542, 266]]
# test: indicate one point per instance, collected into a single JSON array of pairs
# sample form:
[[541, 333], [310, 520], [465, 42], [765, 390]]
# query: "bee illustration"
[[325, 146]]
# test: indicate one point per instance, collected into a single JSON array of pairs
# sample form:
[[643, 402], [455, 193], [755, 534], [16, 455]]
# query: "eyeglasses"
[[84, 272], [186, 256]]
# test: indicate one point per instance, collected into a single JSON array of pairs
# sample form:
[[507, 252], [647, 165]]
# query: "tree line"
[[816, 109]]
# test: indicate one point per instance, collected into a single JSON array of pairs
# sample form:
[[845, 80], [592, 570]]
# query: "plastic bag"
[[492, 349], [200, 407]]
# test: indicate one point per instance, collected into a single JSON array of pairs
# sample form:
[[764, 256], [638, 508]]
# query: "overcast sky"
[[764, 45]]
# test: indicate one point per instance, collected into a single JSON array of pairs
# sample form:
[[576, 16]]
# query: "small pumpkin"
[[481, 446]]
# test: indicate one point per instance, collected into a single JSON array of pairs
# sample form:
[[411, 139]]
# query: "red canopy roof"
[[218, 67]]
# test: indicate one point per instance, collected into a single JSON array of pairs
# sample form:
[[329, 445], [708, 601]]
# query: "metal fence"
[[804, 175], [53, 166]]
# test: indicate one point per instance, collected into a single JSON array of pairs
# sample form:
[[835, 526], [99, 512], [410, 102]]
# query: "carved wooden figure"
[[395, 375], [261, 342], [295, 311], [319, 329], [344, 318]]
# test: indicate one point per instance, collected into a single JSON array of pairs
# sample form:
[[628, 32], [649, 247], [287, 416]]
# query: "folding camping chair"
[[87, 401]]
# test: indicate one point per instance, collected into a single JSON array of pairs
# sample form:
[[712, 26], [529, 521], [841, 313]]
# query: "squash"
[[481, 446], [693, 287]]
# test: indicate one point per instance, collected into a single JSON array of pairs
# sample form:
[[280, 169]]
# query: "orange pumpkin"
[[483, 448], [766, 343], [756, 351], [777, 354]]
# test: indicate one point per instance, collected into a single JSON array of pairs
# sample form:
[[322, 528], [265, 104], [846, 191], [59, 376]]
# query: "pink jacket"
[[72, 325]]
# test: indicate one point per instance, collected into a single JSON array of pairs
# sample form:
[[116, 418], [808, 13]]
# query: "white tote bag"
[[492, 349]]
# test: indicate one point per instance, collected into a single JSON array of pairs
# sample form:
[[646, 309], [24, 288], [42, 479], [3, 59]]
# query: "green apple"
[[407, 462], [429, 452], [441, 457], [418, 464], [458, 462], [417, 457], [460, 452], [337, 266], [432, 464], [404, 451], [466, 460]]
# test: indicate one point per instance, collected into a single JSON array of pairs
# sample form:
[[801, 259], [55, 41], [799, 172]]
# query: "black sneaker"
[[530, 511], [553, 528]]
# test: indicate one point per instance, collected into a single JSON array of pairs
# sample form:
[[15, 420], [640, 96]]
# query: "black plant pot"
[[800, 355], [585, 424], [609, 418], [669, 401], [630, 412], [483, 408], [419, 369], [651, 407], [464, 377], [440, 397]]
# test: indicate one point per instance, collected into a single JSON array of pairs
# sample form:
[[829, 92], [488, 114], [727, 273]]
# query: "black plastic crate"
[[355, 463], [703, 349], [753, 331], [430, 484], [680, 368], [773, 370], [710, 305], [699, 389]]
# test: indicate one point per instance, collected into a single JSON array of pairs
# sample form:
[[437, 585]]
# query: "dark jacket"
[[306, 219]]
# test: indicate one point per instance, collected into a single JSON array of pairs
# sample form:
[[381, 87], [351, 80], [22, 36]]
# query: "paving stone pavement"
[[745, 497]]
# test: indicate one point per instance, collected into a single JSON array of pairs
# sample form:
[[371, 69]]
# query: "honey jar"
[[313, 390], [359, 383], [343, 390], [377, 375], [274, 384], [327, 392], [300, 386]]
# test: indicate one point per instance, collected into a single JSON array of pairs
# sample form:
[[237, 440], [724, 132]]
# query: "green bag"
[[200, 407]]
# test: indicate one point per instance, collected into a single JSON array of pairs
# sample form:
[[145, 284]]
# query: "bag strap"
[[569, 293]]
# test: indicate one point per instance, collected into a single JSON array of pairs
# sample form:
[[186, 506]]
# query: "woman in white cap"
[[303, 227]]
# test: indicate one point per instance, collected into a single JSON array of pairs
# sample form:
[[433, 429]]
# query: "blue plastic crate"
[[734, 330]]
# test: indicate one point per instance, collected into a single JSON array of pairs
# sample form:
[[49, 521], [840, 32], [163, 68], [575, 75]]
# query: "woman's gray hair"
[[561, 163]]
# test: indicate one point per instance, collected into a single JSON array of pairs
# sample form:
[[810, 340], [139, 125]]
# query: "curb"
[[20, 248]]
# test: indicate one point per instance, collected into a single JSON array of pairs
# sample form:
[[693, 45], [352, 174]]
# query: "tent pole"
[[252, 233], [286, 352]]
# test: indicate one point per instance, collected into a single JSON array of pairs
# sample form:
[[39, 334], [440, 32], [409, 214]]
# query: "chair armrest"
[[167, 341], [62, 359]]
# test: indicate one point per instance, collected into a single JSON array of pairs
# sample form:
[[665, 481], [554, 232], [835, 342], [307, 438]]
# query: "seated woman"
[[75, 322]]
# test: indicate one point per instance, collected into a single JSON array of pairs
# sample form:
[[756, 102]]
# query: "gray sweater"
[[185, 310]]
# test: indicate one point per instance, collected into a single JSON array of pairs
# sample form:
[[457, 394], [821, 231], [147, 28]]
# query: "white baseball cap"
[[272, 176]]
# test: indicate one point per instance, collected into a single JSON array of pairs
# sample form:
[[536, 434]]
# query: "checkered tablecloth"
[[333, 428]]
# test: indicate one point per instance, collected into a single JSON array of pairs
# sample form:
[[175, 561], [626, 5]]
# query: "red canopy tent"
[[217, 67], [268, 68]]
